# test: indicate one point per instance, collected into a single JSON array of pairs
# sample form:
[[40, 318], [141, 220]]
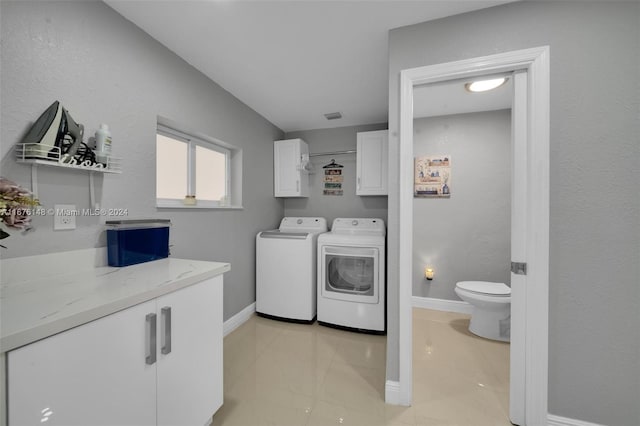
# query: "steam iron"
[[53, 129]]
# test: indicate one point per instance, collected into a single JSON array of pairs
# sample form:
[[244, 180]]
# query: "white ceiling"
[[292, 61], [452, 98]]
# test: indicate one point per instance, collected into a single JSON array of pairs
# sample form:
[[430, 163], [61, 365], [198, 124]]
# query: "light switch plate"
[[64, 217]]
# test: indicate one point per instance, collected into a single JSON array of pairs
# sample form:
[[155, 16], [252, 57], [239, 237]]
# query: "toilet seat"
[[485, 288]]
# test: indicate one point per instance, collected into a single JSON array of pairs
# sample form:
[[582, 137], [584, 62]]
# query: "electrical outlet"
[[64, 217]]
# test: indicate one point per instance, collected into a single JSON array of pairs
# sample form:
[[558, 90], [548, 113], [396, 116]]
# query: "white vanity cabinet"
[[289, 178], [372, 163], [155, 363]]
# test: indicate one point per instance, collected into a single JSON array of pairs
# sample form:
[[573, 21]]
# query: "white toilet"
[[491, 317]]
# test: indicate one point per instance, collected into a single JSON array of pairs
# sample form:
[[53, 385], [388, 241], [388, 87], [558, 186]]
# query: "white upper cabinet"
[[290, 178], [372, 163]]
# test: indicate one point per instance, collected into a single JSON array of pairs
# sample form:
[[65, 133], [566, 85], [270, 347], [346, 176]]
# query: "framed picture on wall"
[[333, 179], [432, 176]]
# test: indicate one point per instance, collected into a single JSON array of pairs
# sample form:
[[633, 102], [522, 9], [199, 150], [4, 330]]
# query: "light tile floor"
[[278, 373]]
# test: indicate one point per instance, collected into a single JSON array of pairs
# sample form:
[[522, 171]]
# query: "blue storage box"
[[137, 241]]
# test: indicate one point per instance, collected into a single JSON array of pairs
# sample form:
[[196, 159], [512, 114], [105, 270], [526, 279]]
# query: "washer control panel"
[[303, 224]]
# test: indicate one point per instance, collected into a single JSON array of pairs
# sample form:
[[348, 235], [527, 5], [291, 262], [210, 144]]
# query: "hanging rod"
[[320, 154]]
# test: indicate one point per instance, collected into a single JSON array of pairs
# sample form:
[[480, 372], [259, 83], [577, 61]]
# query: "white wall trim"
[[238, 319], [535, 62], [442, 304], [554, 420], [392, 392]]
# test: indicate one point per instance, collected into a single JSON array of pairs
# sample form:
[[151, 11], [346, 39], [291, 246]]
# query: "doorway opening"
[[461, 234], [529, 222]]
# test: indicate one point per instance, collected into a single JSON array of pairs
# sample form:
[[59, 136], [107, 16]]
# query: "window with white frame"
[[191, 171]]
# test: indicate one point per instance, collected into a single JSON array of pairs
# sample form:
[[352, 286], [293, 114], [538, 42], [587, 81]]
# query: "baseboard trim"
[[238, 319], [392, 392], [553, 420], [441, 304]]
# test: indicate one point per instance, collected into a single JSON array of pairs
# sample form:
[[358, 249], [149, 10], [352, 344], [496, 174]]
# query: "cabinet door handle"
[[150, 331], [297, 186], [358, 183], [166, 332]]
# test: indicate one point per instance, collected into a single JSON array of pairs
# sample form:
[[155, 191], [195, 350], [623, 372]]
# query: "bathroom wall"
[[106, 70], [330, 206], [468, 235], [594, 352]]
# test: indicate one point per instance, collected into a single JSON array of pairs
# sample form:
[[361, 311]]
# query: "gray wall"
[[466, 237], [330, 206], [105, 70], [594, 350]]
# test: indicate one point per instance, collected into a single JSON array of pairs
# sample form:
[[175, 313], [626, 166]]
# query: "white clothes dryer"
[[351, 275], [286, 269]]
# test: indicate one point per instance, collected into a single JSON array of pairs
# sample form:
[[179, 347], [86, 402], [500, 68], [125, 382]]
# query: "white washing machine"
[[351, 275], [286, 269]]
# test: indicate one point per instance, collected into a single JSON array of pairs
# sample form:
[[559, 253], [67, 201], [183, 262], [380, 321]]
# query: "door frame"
[[533, 214]]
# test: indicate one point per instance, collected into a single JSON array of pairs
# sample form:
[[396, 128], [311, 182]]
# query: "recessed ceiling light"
[[484, 85], [333, 115]]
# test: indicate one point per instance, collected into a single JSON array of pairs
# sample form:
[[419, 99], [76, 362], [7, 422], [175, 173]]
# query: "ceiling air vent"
[[333, 115]]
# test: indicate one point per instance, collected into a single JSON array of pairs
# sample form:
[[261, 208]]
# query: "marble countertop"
[[41, 306]]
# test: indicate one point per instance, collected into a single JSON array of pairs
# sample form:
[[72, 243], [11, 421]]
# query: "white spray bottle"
[[103, 144]]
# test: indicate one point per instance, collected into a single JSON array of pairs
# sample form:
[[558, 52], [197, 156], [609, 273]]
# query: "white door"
[[94, 374], [189, 363], [517, 366]]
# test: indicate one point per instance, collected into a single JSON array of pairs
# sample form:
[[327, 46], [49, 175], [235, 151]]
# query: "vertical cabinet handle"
[[297, 186], [358, 182], [150, 332], [166, 330]]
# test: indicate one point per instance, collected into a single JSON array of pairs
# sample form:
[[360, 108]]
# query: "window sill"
[[196, 207]]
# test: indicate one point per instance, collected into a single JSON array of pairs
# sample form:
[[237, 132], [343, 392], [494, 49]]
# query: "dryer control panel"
[[358, 226]]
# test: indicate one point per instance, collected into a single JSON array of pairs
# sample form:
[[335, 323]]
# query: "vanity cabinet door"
[[190, 354], [93, 374]]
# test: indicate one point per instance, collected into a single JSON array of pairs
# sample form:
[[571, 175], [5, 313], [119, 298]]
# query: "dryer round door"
[[350, 273]]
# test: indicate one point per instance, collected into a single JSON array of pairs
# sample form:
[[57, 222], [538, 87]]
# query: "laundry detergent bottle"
[[103, 144]]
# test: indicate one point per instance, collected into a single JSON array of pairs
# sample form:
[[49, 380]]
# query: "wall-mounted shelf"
[[34, 153], [37, 154]]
